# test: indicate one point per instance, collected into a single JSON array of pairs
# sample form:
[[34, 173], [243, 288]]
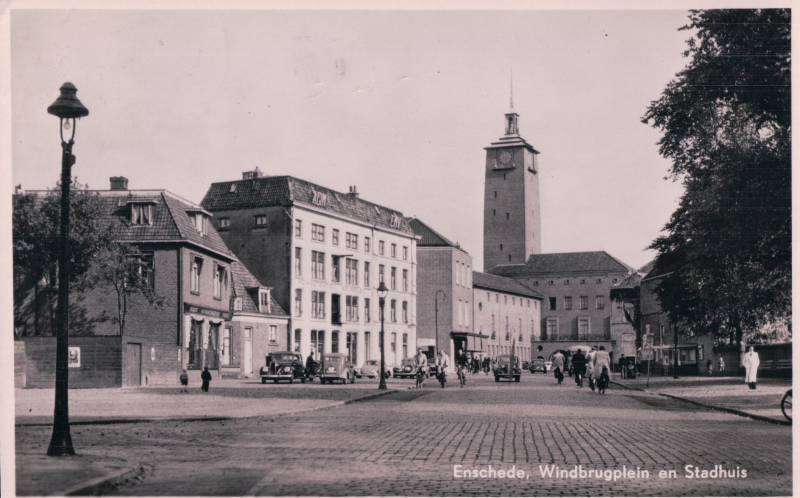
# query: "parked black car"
[[283, 365]]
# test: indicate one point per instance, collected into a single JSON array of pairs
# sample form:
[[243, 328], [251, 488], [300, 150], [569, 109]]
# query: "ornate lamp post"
[[68, 108], [436, 320], [382, 291]]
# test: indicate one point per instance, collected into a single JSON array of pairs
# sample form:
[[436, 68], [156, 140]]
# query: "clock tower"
[[511, 218]]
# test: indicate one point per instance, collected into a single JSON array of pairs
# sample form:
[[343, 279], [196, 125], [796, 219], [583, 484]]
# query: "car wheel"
[[496, 378], [516, 379], [263, 381]]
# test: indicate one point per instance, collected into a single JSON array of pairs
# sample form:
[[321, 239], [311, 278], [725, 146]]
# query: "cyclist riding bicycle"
[[421, 362], [602, 365]]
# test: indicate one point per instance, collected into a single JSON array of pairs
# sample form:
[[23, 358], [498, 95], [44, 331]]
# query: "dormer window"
[[395, 222], [264, 301], [141, 213], [199, 221]]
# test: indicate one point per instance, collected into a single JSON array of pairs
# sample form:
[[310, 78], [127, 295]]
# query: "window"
[[224, 223], [366, 274], [318, 342], [393, 310], [583, 327], [536, 283], [380, 273], [318, 265], [264, 304], [551, 282], [351, 308], [613, 280], [567, 302], [335, 236], [298, 261], [141, 214], [351, 240], [566, 281], [367, 247], [508, 336], [298, 302], [199, 222], [220, 281], [394, 250], [351, 271], [501, 247], [273, 333], [335, 268], [583, 281], [381, 247], [405, 345], [508, 216], [194, 277], [405, 311], [583, 303], [261, 220], [367, 348], [552, 328], [393, 278], [394, 343], [317, 232], [600, 302], [226, 347], [298, 339], [298, 227], [599, 281], [405, 253], [141, 269], [367, 310], [493, 327], [335, 341], [552, 301], [405, 280], [317, 304]]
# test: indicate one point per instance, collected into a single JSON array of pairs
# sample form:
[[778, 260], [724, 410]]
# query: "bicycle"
[[786, 405]]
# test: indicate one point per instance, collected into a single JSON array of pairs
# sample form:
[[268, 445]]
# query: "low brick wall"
[[100, 362]]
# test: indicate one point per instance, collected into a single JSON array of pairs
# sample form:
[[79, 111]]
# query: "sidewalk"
[[726, 393], [93, 470]]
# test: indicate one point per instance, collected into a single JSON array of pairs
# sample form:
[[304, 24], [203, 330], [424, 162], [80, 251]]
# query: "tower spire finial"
[[511, 84]]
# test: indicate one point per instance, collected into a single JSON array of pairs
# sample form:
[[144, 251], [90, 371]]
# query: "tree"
[[129, 273], [726, 123], [35, 253]]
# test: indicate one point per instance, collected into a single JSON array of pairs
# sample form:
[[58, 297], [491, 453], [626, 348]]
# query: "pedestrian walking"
[[184, 378], [721, 365], [590, 367], [709, 368], [558, 366], [206, 378], [602, 365], [751, 361], [579, 367]]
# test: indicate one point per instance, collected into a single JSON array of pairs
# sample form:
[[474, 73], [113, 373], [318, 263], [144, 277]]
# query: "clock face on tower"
[[505, 158]]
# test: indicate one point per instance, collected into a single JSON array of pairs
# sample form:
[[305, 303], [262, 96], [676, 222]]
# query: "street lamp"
[[68, 108], [382, 291], [436, 319], [675, 351]]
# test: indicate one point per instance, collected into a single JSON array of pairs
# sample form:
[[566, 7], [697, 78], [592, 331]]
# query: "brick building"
[[506, 313], [324, 253], [187, 265], [258, 326], [576, 288], [444, 282]]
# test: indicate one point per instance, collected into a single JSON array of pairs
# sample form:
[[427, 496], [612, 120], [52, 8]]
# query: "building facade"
[[511, 214], [324, 253], [576, 287], [507, 315], [259, 325], [444, 294]]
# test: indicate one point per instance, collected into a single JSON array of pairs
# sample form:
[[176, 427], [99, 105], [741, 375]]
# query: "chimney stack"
[[353, 191], [249, 175], [119, 183]]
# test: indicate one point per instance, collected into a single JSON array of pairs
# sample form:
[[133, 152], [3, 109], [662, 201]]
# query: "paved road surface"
[[409, 443]]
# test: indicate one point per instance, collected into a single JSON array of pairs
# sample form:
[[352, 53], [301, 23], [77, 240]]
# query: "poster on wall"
[[74, 360]]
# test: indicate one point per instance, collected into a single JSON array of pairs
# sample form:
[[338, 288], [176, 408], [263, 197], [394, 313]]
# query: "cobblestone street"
[[408, 443]]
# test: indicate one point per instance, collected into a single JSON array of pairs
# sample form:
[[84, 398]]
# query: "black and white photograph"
[[396, 249]]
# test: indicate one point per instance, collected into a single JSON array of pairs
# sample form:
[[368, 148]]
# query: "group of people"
[[597, 362], [205, 377], [422, 367]]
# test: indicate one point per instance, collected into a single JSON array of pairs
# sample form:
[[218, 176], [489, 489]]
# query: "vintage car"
[[283, 365], [335, 367], [406, 370], [507, 367], [371, 369], [539, 365]]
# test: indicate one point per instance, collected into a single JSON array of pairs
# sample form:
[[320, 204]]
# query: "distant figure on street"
[[709, 368], [579, 367], [184, 378], [602, 366], [721, 365], [487, 365], [751, 361], [558, 366], [310, 364], [206, 378], [590, 367], [421, 362]]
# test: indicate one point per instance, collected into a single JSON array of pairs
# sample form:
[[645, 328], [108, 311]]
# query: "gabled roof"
[[245, 286], [270, 191], [171, 221], [630, 282], [564, 263], [429, 236], [488, 281]]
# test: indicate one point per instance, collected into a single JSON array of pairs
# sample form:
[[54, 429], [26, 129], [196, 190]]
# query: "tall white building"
[[324, 253]]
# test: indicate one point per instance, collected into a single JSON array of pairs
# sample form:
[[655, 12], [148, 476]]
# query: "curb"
[[96, 486], [733, 411], [368, 397]]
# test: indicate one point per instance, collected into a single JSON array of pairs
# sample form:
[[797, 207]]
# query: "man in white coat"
[[751, 361]]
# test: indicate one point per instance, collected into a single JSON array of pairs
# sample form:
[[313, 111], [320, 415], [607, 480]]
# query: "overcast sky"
[[400, 104]]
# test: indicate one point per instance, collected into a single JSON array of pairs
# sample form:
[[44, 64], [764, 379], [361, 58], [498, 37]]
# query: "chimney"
[[353, 191], [119, 183], [249, 175]]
